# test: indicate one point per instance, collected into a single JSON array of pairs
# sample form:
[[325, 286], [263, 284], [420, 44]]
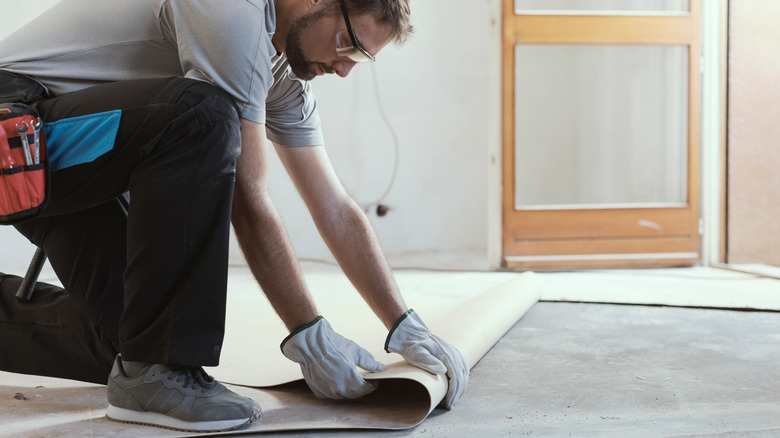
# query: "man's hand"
[[328, 361], [414, 341]]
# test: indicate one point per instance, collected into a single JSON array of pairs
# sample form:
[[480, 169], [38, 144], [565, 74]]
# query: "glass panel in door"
[[600, 126]]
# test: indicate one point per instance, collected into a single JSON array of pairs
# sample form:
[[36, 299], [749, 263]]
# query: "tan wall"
[[754, 132]]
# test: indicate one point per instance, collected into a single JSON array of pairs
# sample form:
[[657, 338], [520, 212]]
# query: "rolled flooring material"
[[471, 311], [406, 394]]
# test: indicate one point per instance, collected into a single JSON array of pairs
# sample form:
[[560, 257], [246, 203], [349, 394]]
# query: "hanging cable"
[[382, 209]]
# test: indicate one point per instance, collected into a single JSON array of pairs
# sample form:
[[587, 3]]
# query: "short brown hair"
[[394, 13]]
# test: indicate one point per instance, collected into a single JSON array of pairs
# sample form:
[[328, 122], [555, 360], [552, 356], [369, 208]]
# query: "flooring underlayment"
[[687, 287], [470, 310]]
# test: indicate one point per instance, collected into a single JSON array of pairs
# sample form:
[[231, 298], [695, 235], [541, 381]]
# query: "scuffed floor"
[[577, 369], [593, 370]]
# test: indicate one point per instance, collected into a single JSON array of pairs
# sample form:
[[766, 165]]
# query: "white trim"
[[494, 198], [710, 131], [161, 420], [576, 257], [602, 206]]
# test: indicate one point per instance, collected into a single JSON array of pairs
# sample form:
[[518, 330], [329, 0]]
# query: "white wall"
[[440, 94], [436, 93]]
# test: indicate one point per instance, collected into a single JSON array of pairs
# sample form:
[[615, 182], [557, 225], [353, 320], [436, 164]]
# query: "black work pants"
[[150, 284]]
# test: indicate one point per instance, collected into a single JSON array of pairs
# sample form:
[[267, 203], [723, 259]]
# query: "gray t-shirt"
[[81, 43]]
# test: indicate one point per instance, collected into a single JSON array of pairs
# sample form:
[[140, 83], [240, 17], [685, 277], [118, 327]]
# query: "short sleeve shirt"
[[81, 43]]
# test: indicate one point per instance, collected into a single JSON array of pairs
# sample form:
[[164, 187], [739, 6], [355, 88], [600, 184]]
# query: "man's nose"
[[343, 68]]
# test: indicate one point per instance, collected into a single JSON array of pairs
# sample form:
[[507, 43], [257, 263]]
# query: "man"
[[172, 101]]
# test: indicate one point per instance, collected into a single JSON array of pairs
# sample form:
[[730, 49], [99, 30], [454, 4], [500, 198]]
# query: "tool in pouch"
[[24, 170]]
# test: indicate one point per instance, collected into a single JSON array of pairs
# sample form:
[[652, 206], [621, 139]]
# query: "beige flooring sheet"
[[686, 287], [470, 310]]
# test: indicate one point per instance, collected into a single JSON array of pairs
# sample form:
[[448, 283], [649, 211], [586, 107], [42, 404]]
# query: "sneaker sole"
[[160, 420]]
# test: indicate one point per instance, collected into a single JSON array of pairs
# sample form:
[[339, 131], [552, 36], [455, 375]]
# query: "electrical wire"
[[396, 148]]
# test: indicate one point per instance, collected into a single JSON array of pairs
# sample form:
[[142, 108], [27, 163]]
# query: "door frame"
[[621, 29], [714, 113]]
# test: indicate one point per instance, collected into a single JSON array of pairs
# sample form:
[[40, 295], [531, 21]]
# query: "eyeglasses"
[[347, 45]]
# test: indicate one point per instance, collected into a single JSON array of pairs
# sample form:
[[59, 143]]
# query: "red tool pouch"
[[24, 175]]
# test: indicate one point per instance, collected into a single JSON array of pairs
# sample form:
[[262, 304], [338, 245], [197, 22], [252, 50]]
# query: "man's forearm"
[[353, 242], [345, 229], [261, 235], [270, 257]]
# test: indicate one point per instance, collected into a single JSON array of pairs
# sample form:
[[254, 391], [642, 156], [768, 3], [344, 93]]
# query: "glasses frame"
[[349, 52]]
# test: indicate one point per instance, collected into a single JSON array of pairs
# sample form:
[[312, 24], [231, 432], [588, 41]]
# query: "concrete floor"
[[603, 370], [594, 370]]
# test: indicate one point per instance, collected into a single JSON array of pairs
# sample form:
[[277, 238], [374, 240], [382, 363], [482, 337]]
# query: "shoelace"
[[192, 376]]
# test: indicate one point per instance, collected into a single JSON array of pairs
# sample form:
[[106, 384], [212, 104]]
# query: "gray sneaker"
[[176, 397]]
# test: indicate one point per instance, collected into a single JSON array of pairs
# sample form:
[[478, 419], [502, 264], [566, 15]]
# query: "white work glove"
[[328, 361], [414, 341]]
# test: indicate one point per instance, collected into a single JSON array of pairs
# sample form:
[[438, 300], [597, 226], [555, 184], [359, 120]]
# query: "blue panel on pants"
[[81, 139]]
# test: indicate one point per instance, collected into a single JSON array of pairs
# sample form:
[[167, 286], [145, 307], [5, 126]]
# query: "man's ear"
[[312, 3]]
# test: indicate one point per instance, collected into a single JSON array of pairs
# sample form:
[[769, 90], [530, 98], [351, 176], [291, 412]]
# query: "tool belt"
[[24, 169]]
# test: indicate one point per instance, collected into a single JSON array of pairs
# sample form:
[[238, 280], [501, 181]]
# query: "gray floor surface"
[[594, 370]]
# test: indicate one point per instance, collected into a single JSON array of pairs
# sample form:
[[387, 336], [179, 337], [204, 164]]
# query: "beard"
[[302, 67], [298, 63]]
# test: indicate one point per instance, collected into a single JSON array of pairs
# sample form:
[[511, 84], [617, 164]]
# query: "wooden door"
[[542, 234]]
